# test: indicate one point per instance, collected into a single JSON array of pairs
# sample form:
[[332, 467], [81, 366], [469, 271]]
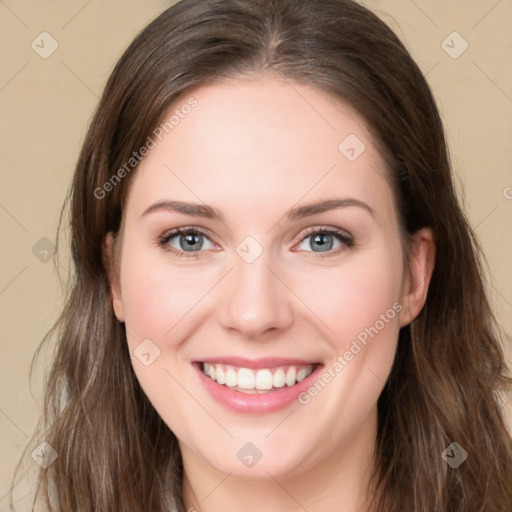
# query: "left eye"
[[324, 239], [186, 242]]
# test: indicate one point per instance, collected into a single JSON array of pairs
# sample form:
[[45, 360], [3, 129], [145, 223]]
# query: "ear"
[[109, 260], [418, 273]]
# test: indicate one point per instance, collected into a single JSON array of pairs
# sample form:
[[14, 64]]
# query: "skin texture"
[[254, 149]]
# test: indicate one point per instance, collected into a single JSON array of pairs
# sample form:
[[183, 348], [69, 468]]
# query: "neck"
[[337, 482]]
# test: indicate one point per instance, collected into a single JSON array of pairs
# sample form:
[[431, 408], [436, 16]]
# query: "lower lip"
[[238, 401]]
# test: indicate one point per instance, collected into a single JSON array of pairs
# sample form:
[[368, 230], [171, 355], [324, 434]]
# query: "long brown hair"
[[114, 450]]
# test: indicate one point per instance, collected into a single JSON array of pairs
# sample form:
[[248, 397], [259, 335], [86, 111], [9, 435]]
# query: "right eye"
[[179, 239]]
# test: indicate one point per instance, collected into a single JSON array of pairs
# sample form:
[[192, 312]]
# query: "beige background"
[[46, 105]]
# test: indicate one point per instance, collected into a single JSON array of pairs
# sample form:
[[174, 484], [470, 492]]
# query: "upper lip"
[[262, 362]]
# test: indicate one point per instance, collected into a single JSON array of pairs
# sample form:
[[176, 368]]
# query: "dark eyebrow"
[[326, 205], [194, 209], [209, 212]]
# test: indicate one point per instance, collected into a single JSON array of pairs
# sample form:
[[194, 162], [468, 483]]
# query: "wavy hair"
[[449, 374]]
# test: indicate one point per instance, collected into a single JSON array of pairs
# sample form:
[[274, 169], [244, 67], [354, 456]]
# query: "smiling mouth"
[[264, 380]]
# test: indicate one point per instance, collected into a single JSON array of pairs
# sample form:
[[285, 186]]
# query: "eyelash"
[[169, 235]]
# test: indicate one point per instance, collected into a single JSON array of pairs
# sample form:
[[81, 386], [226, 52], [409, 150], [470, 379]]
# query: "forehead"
[[260, 140]]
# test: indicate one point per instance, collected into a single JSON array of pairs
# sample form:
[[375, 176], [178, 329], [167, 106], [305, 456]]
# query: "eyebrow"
[[296, 213]]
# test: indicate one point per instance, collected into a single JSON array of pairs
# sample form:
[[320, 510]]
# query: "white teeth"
[[245, 378], [231, 378], [256, 381], [290, 376], [301, 375], [279, 378], [263, 379], [221, 377]]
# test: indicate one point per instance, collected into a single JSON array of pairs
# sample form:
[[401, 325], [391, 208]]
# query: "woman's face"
[[270, 290]]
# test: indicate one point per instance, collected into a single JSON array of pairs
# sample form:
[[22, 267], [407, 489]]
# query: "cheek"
[[363, 292], [362, 313], [155, 297]]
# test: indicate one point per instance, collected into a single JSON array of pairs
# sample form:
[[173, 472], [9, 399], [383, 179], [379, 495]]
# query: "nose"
[[258, 304]]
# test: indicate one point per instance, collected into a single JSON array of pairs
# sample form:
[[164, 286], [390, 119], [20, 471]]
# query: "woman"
[[250, 372]]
